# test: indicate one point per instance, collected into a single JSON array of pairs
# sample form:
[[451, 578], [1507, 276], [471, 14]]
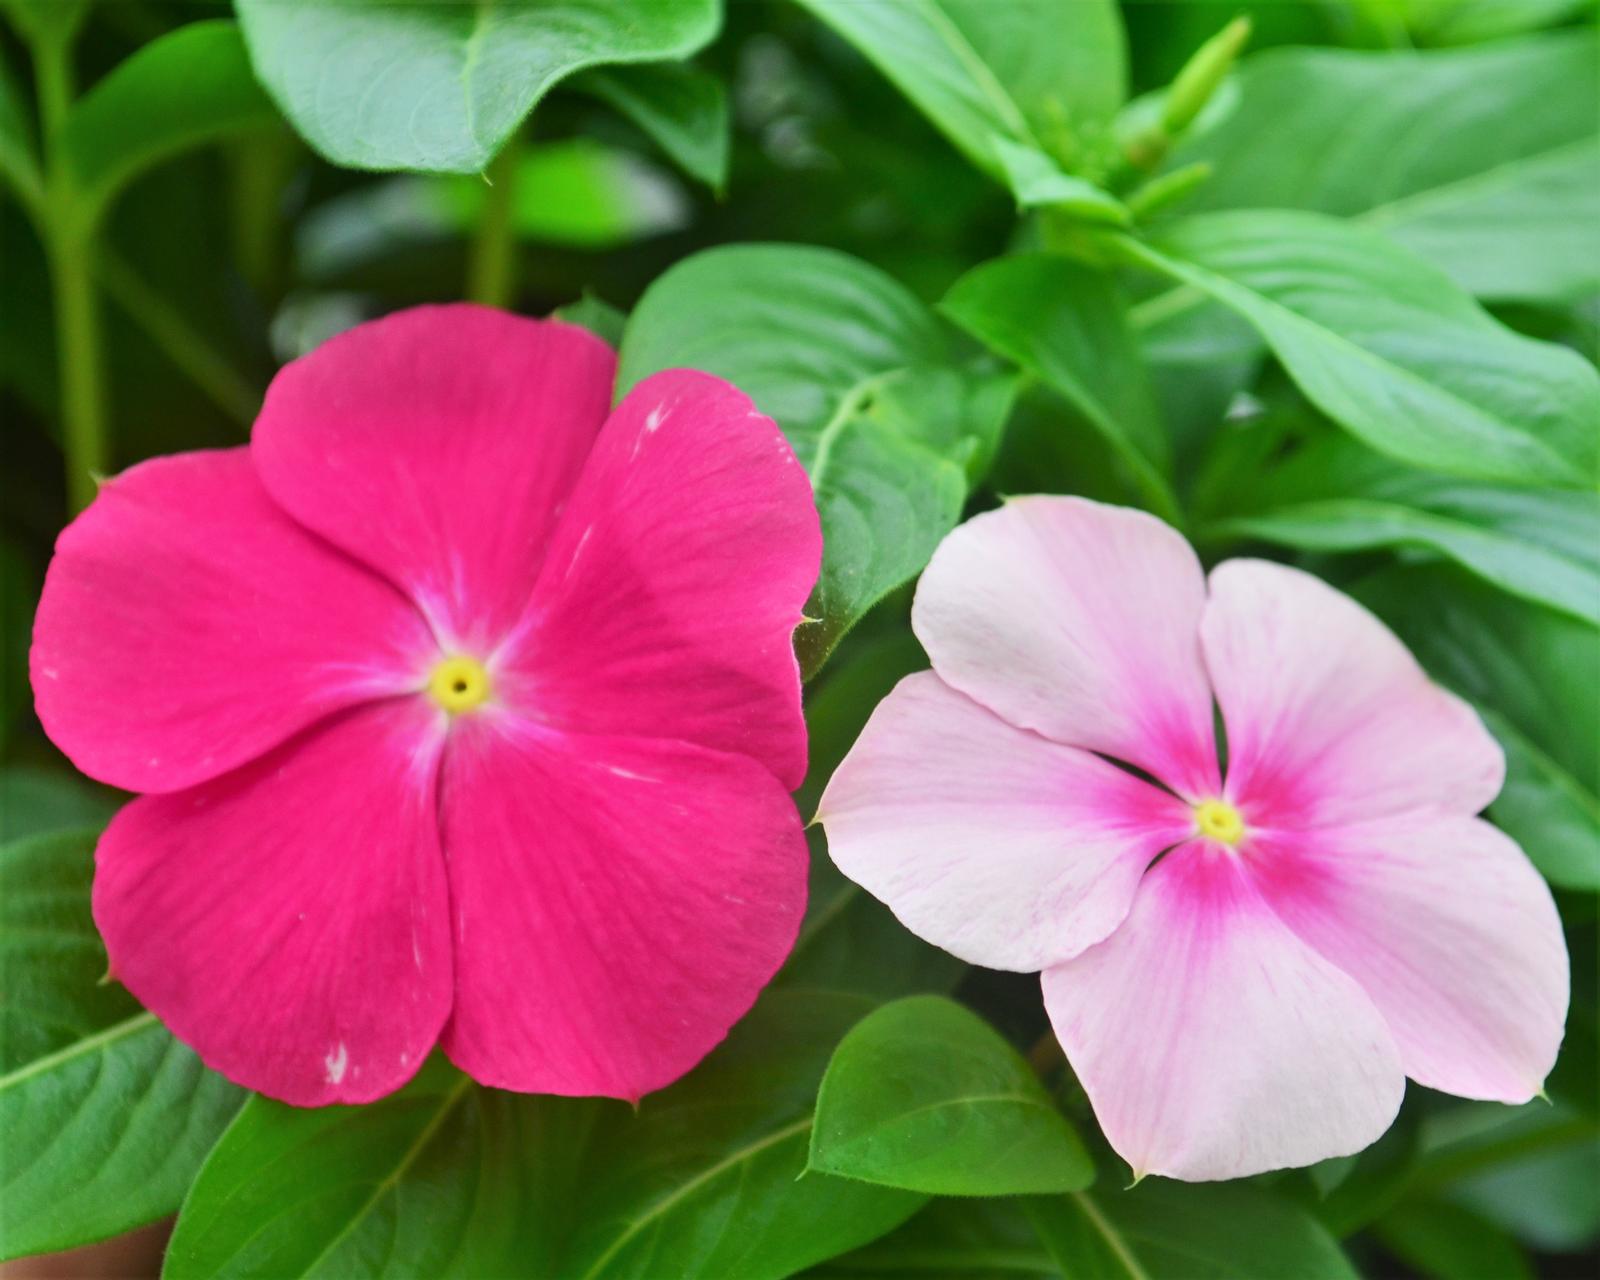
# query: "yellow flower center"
[[459, 684], [1219, 820]]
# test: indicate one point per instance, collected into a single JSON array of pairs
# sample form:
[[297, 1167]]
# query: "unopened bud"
[[1205, 70]]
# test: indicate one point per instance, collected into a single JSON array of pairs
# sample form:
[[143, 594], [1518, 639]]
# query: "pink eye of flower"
[[324, 876], [1226, 1014]]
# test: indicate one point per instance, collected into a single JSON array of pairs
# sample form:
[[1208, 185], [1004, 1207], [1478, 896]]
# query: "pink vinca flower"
[[465, 711], [1328, 917]]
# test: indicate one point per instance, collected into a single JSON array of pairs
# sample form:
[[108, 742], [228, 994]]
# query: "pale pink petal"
[[187, 625], [1212, 1042], [1451, 932], [1329, 718], [1000, 846], [290, 920], [1077, 620], [438, 445], [669, 600], [618, 904]]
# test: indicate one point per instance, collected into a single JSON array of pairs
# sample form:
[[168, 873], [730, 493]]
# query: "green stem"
[[70, 246], [182, 342], [492, 272]]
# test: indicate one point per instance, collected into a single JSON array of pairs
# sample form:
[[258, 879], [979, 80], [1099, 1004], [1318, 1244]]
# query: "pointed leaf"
[[924, 1094]]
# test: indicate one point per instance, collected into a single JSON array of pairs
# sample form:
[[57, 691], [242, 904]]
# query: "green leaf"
[[862, 379], [1540, 544], [442, 87], [1037, 74], [1067, 325], [1481, 160], [106, 1117], [1528, 1170], [924, 1094], [1389, 348], [596, 315], [34, 801], [1526, 669], [188, 87], [446, 1178], [19, 593], [974, 1239], [1037, 182], [1172, 1231], [1445, 1242], [684, 109]]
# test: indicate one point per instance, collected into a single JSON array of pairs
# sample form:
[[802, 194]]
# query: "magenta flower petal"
[[998, 845], [618, 903], [1449, 929], [291, 920], [438, 445], [1212, 1042], [1077, 620], [675, 581], [187, 625], [1329, 717]]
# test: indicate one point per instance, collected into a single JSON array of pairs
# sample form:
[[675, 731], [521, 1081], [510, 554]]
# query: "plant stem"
[[492, 273], [70, 248], [186, 346]]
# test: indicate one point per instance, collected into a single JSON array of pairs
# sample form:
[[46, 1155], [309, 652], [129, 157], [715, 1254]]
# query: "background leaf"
[[1067, 325], [924, 1094], [1389, 348], [106, 1117], [975, 1239], [1531, 673], [1038, 74], [684, 109], [1333, 495], [441, 87], [191, 86], [1481, 160], [1170, 1231], [835, 351]]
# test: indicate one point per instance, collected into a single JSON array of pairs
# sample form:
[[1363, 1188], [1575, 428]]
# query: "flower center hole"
[[459, 683]]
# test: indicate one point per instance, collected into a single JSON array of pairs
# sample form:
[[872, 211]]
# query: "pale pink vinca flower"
[[465, 711], [1242, 968]]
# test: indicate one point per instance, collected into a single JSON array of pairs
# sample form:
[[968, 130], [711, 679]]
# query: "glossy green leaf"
[[1067, 325], [106, 1117], [1040, 74], [1172, 1231], [1540, 544], [1526, 669], [1390, 348], [441, 87], [861, 377], [449, 1179], [684, 109], [596, 315], [1481, 160], [924, 1094], [190, 86], [970, 1239]]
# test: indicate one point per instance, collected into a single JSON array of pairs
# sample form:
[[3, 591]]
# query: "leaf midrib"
[[679, 1193], [78, 1048]]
